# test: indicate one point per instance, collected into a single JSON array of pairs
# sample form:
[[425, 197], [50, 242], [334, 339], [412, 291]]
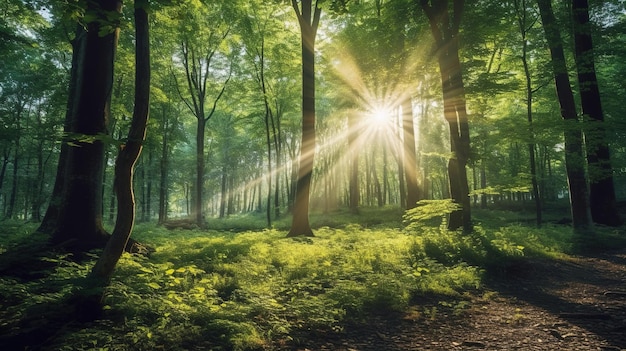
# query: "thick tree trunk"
[[79, 225], [455, 112], [410, 156], [574, 155], [49, 222], [601, 187], [308, 19], [445, 29]]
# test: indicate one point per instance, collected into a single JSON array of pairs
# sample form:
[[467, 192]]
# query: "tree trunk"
[[279, 168], [129, 153], [574, 155], [5, 162], [223, 196], [380, 200], [308, 19], [268, 144], [15, 178], [410, 156], [601, 187], [231, 195], [401, 182], [79, 225], [199, 186], [353, 180], [386, 192], [445, 29], [149, 188], [523, 25], [49, 222], [163, 169]]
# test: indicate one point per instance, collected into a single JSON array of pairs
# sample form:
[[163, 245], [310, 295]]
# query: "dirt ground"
[[546, 305]]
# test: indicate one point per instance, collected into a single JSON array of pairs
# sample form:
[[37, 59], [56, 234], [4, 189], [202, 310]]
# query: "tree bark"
[[574, 155], [163, 170], [16, 161], [353, 180], [445, 29], [410, 156], [129, 152], [523, 25], [49, 221], [199, 186], [79, 224], [601, 186], [308, 18]]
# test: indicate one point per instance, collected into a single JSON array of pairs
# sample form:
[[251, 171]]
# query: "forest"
[[312, 174]]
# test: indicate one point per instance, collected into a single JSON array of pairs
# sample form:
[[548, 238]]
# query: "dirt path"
[[574, 305]]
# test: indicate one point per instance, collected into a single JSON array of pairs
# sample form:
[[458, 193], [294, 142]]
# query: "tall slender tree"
[[199, 52], [525, 24], [308, 14], [129, 152]]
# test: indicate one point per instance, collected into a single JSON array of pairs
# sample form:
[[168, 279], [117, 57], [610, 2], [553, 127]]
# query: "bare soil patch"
[[579, 304]]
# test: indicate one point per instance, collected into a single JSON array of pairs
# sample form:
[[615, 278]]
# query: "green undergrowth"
[[375, 217], [257, 289]]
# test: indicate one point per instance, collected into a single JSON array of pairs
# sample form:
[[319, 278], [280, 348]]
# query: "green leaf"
[[154, 285]]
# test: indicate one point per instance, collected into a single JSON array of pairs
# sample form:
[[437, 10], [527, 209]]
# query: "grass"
[[241, 287]]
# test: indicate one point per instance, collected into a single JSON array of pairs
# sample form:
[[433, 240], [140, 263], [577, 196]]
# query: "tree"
[[308, 15], [525, 25], [200, 47], [129, 152], [78, 223], [445, 30], [574, 153], [601, 187], [258, 32], [410, 156]]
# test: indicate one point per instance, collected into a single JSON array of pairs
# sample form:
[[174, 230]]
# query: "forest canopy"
[[234, 124]]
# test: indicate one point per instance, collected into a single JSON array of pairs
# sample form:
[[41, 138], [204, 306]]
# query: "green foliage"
[[249, 290], [428, 211]]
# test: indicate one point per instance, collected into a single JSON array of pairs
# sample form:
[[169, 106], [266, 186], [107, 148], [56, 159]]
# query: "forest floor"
[[578, 304]]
